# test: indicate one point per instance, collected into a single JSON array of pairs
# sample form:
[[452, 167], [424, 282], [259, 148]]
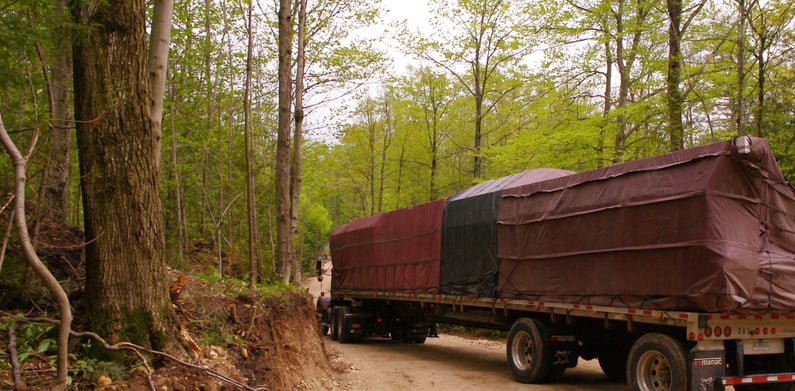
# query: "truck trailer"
[[675, 272]]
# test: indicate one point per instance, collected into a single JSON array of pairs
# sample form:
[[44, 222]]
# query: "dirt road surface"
[[446, 363]]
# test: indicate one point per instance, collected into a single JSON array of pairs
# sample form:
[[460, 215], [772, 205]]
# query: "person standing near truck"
[[321, 307]]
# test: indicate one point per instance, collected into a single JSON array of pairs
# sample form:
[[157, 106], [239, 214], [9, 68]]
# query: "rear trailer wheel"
[[344, 328], [657, 362], [529, 351], [335, 327]]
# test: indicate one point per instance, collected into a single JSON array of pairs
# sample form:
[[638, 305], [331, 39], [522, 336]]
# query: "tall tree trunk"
[[126, 282], [55, 176], [760, 89], [388, 127], [739, 111], [676, 128], [283, 140], [181, 218], [625, 60], [295, 169], [478, 160], [158, 65], [210, 118], [250, 206], [371, 169]]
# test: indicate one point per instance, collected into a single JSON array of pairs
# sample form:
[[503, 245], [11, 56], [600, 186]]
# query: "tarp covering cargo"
[[395, 251], [705, 229], [469, 264]]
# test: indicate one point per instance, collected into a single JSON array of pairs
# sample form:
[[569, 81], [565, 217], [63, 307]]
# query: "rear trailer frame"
[[717, 349]]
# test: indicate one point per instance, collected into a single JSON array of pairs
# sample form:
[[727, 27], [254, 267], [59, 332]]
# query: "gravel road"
[[445, 363]]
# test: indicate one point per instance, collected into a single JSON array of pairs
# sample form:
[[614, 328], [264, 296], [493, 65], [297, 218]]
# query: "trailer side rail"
[[700, 326]]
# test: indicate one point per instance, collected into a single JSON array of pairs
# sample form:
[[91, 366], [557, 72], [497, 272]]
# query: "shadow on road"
[[473, 362]]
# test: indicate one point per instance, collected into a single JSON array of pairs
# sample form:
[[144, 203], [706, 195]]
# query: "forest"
[[282, 119], [492, 87]]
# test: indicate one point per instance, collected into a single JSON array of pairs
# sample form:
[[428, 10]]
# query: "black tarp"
[[469, 238]]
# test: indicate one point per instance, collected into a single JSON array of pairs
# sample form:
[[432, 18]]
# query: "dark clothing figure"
[[432, 331]]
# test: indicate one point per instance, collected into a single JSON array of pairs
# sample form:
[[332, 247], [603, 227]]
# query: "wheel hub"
[[523, 351], [654, 372]]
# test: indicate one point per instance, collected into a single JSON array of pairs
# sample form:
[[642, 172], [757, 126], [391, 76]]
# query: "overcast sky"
[[413, 11]]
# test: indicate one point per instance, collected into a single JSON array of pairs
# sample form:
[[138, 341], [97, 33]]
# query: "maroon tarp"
[[704, 229], [395, 251]]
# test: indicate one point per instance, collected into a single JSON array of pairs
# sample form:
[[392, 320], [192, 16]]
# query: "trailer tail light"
[[718, 331]]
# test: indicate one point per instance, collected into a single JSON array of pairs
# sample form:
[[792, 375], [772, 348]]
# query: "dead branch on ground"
[[139, 350]]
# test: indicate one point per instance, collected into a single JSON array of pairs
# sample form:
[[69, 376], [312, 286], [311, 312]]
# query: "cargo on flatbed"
[[668, 260]]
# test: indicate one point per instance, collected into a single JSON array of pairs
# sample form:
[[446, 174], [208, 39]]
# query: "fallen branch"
[[138, 349]]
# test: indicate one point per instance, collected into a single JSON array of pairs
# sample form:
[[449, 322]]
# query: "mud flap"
[[707, 368], [565, 352]]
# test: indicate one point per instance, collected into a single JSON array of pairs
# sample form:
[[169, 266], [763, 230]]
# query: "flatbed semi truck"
[[675, 272]]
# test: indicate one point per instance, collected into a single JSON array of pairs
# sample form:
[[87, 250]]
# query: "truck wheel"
[[335, 327], [344, 330], [657, 362], [529, 351]]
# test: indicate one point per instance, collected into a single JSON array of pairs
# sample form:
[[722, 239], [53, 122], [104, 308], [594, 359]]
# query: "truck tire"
[[335, 327], [657, 362], [529, 351], [344, 330]]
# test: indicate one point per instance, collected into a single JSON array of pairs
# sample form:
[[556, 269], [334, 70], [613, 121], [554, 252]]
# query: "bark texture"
[[126, 288]]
